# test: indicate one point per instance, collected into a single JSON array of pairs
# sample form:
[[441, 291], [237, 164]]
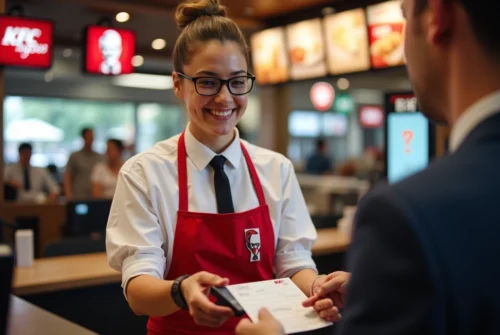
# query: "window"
[[157, 122], [52, 126]]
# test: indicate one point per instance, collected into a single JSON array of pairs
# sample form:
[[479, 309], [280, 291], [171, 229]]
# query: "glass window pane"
[[157, 122], [53, 125]]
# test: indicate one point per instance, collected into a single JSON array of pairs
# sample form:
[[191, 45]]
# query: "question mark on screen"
[[408, 137]]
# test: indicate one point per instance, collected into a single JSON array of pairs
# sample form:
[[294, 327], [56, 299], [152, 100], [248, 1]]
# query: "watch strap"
[[177, 295]]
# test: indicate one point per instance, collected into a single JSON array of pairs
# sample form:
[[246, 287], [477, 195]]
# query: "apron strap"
[[255, 178], [182, 175]]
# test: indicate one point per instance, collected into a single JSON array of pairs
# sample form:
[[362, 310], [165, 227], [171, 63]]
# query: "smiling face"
[[213, 117]]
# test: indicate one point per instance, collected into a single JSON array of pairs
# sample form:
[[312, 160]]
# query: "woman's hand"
[[195, 290], [328, 295]]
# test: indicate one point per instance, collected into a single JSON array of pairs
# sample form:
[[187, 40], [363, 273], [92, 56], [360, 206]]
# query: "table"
[[330, 241], [27, 319], [66, 272]]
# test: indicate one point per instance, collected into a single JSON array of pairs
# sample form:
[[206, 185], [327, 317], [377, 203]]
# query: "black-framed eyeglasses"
[[209, 86]]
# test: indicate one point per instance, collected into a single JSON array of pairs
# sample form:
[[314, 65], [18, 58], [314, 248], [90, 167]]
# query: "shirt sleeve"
[[297, 233], [50, 182], [134, 238], [70, 165], [96, 176]]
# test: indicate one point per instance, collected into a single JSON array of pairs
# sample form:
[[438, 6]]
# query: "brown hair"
[[201, 21], [483, 18]]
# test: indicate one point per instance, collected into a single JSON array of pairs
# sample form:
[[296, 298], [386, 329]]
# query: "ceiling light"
[[122, 17], [343, 84], [327, 11], [137, 60], [146, 81], [49, 76], [159, 44], [67, 53]]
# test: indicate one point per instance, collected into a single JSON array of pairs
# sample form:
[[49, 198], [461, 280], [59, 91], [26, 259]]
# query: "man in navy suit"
[[425, 257]]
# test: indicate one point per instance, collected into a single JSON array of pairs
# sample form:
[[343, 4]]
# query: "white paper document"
[[283, 299]]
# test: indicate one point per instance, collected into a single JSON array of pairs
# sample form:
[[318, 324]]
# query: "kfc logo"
[[252, 242], [24, 40], [109, 51], [110, 44]]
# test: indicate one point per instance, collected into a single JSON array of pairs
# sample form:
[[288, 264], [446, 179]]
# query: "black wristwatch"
[[177, 295]]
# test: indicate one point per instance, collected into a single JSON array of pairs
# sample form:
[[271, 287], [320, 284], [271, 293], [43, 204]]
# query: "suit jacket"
[[425, 257]]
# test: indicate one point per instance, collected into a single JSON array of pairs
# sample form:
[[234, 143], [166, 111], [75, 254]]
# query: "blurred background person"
[[31, 184], [319, 163], [79, 168], [105, 173]]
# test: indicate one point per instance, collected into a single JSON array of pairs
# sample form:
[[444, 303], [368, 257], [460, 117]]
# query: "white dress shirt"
[[106, 178], [143, 215], [472, 117], [40, 182]]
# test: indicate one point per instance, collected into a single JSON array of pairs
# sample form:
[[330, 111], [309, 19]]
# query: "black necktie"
[[27, 181], [222, 188]]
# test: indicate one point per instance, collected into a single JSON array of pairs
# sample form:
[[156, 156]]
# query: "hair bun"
[[190, 10]]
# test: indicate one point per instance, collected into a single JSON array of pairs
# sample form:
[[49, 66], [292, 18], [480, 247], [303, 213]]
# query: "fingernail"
[[317, 290]]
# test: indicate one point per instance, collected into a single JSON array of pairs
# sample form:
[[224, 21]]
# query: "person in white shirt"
[[105, 174], [33, 184], [205, 208]]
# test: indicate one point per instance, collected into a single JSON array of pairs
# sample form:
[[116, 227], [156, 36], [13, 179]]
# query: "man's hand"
[[267, 325], [329, 294]]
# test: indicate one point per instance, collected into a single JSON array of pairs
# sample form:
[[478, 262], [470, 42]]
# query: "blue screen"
[[407, 145]]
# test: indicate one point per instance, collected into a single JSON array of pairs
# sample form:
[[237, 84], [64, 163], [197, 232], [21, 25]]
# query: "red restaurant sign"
[[26, 42]]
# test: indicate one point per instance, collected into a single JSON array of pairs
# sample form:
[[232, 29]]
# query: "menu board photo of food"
[[270, 60], [347, 42], [306, 49], [386, 26]]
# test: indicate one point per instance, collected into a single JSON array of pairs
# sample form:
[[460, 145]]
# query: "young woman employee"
[[205, 208]]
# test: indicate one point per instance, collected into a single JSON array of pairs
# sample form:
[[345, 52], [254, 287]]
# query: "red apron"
[[239, 246]]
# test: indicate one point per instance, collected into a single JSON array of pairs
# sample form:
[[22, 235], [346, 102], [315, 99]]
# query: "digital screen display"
[[26, 42], [407, 144], [109, 51]]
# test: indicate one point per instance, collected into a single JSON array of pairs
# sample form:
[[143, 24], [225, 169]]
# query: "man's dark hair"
[[85, 130], [320, 144], [483, 17], [119, 144], [25, 146]]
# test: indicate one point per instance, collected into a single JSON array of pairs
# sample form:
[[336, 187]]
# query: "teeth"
[[221, 113]]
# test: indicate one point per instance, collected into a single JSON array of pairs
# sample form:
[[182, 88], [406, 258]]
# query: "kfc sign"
[[109, 51], [371, 116], [26, 42]]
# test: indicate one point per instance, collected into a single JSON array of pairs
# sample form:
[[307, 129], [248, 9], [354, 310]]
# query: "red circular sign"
[[322, 96]]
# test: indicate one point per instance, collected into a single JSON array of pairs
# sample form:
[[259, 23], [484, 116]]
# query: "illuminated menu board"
[[306, 49], [347, 42], [386, 33], [270, 60]]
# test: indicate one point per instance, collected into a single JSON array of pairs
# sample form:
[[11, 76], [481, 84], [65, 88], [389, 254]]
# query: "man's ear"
[[177, 85], [439, 21]]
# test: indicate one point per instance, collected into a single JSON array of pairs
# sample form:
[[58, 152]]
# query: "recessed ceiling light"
[[327, 11], [137, 60], [343, 84], [67, 53], [49, 76], [122, 17], [159, 44]]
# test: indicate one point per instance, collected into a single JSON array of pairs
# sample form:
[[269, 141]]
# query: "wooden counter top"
[[330, 241], [27, 319], [69, 272]]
